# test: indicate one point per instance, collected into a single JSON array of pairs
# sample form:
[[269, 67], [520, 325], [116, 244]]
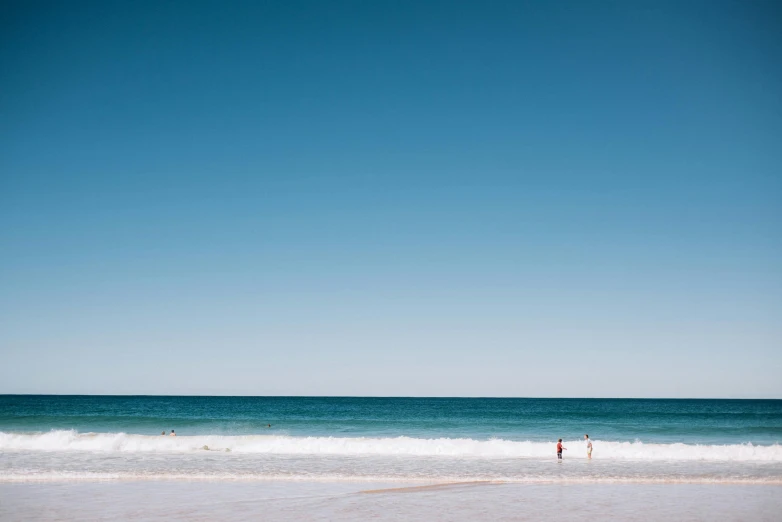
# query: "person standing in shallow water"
[[559, 449], [173, 434], [589, 446]]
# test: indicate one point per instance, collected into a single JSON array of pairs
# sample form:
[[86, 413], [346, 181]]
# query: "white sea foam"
[[66, 441]]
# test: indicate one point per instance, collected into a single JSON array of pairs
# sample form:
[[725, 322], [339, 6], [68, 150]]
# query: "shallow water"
[[54, 466]]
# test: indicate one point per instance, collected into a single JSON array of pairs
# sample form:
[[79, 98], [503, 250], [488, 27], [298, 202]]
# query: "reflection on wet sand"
[[430, 487]]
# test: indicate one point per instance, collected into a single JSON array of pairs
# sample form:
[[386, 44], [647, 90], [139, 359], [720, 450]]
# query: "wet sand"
[[180, 500], [431, 487]]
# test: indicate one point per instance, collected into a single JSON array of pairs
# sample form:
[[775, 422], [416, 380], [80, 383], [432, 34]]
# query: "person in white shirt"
[[589, 446]]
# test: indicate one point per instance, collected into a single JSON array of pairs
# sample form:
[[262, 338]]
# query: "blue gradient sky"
[[391, 198]]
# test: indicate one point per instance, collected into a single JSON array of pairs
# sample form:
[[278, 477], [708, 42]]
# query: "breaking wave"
[[65, 441]]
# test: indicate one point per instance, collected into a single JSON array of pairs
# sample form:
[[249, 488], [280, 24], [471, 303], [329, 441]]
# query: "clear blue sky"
[[391, 198]]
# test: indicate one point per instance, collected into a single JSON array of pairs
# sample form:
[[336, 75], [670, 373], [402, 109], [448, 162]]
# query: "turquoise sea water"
[[389, 439], [647, 420]]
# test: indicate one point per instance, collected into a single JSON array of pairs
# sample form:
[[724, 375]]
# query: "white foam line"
[[65, 441]]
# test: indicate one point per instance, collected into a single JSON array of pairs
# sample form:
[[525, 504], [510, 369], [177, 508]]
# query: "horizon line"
[[387, 397]]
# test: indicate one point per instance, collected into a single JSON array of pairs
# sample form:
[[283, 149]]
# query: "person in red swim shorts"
[[559, 449]]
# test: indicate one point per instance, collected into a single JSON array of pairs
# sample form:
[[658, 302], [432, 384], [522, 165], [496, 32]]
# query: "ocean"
[[389, 440], [352, 458]]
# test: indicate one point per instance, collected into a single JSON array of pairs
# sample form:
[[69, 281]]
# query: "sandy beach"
[[178, 500]]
